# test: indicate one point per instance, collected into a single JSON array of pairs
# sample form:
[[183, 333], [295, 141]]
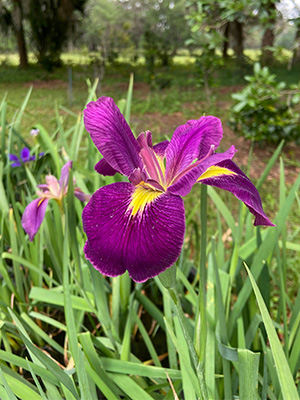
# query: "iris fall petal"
[[33, 216], [145, 244], [235, 181], [184, 184]]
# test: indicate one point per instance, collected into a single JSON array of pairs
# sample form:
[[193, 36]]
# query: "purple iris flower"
[[139, 225], [24, 158], [54, 189]]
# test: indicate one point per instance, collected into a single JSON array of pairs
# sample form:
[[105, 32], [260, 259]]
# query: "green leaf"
[[248, 374], [288, 388]]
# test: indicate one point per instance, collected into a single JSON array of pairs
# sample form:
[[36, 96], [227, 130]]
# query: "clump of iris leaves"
[[67, 332]]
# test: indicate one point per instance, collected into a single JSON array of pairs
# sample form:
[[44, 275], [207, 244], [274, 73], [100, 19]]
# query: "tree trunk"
[[226, 40], [238, 39], [269, 35], [17, 16], [296, 53]]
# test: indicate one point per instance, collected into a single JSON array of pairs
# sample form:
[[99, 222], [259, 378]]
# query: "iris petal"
[[13, 157], [241, 186], [145, 244], [160, 148], [64, 176], [112, 135], [33, 216], [25, 155], [103, 168], [184, 185], [191, 141]]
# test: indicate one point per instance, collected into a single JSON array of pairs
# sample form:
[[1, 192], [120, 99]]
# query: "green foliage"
[[49, 23], [265, 109], [67, 332]]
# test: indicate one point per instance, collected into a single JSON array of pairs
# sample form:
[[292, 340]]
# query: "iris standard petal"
[[33, 216], [112, 135], [191, 141], [226, 175], [185, 181], [160, 148], [64, 176], [25, 155], [145, 241], [103, 168]]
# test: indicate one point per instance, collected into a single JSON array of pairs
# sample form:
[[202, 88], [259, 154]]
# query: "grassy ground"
[[161, 111]]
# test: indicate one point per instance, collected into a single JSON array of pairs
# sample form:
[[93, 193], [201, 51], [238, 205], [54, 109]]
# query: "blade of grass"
[[289, 391], [262, 254]]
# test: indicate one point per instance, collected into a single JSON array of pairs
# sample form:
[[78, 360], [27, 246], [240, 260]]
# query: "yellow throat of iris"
[[141, 197]]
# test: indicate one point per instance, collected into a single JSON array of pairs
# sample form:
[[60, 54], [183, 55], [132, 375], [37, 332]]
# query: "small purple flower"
[[35, 211], [139, 225], [24, 158]]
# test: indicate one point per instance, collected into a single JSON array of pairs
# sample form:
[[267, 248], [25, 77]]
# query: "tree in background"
[[11, 17], [165, 30], [268, 16], [50, 21]]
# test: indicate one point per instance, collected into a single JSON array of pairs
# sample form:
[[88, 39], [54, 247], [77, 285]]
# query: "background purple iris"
[[24, 158]]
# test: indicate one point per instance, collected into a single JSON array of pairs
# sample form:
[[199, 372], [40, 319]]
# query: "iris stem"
[[195, 359]]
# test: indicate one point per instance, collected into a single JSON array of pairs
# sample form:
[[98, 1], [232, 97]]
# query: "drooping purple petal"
[[112, 135], [184, 184], [25, 155], [191, 141], [64, 176], [145, 244], [80, 195], [13, 157], [241, 186], [103, 168], [33, 216]]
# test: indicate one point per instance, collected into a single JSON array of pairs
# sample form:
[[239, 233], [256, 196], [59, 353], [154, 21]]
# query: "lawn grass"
[[51, 89]]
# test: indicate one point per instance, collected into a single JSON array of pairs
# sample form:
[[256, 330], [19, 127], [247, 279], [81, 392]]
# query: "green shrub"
[[265, 109]]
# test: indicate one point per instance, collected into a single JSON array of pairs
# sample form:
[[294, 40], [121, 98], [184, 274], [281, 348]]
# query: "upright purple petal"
[[64, 176], [160, 148], [236, 182], [191, 141], [33, 216], [112, 135], [184, 184], [103, 168], [145, 243], [25, 155]]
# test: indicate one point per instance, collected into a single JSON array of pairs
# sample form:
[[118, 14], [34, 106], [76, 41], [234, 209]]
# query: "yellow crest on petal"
[[214, 171], [141, 197]]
